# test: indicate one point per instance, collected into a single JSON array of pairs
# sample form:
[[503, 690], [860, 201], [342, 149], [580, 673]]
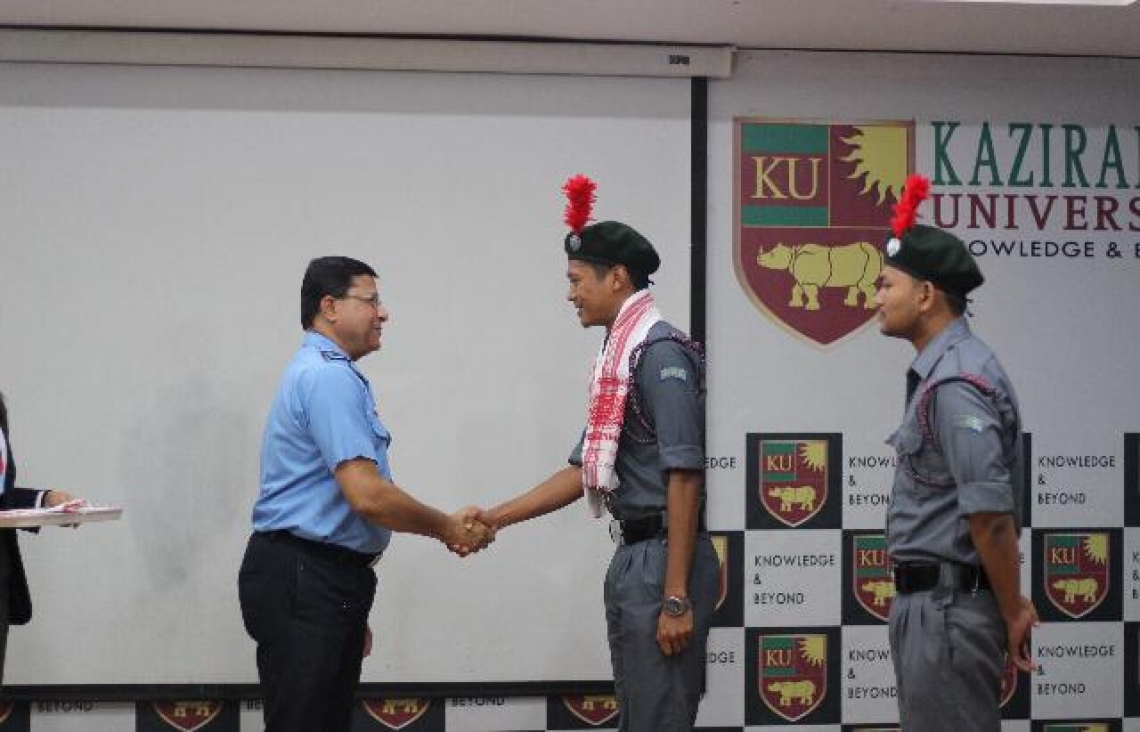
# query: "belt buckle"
[[616, 533]]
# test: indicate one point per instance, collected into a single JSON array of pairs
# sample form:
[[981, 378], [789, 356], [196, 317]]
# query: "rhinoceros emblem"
[[855, 267]]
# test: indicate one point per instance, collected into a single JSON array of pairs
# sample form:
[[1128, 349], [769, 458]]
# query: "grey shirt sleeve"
[[669, 381], [968, 430], [576, 455]]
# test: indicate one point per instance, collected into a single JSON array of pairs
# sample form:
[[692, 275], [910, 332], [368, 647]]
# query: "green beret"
[[612, 242], [932, 254]]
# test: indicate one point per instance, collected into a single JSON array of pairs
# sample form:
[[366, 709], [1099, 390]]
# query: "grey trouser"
[[948, 649], [655, 692]]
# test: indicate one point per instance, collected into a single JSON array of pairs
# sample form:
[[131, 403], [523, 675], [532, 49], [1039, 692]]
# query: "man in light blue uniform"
[[955, 511], [326, 510]]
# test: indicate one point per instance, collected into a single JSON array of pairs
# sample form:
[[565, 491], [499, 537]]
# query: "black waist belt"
[[330, 552], [632, 531], [921, 576]]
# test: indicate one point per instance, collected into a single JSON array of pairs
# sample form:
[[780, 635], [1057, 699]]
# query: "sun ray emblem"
[[814, 454], [878, 160], [1096, 548], [814, 649]]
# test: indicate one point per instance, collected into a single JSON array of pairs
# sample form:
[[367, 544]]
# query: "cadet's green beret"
[[612, 242], [935, 255]]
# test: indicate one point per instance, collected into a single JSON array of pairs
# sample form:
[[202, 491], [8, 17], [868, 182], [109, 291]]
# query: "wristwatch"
[[675, 606]]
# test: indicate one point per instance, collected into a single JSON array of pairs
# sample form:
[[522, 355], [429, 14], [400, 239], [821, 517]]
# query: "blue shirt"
[[324, 414]]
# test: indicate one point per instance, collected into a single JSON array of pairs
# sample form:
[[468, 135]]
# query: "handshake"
[[469, 530]]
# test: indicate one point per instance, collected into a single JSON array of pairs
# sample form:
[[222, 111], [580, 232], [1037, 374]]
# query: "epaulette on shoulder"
[[334, 356]]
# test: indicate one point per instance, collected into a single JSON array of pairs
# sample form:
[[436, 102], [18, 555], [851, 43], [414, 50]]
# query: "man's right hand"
[[1018, 629], [466, 534]]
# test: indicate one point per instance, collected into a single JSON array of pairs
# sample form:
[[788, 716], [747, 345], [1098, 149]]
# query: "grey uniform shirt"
[[672, 398], [976, 464]]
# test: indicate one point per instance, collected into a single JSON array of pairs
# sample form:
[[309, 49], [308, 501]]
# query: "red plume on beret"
[[916, 190], [579, 192]]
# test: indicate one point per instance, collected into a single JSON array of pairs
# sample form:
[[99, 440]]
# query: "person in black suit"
[[15, 601]]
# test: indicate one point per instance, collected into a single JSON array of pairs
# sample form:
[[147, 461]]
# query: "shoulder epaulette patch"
[[334, 356]]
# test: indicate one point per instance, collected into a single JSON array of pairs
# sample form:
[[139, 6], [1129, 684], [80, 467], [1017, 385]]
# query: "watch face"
[[676, 606]]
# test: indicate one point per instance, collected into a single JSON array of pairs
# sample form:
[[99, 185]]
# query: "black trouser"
[[307, 610]]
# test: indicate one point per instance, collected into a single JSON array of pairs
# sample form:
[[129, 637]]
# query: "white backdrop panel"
[[1058, 325], [156, 225]]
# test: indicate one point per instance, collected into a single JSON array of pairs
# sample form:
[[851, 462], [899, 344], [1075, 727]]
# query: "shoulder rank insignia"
[[334, 356]]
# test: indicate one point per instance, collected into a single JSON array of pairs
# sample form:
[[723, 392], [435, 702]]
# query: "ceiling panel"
[[885, 25]]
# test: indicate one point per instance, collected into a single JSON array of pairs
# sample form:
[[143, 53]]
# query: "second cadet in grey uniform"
[[662, 582], [955, 511]]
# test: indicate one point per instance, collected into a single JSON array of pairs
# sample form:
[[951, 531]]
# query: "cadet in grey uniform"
[[661, 586], [955, 511]]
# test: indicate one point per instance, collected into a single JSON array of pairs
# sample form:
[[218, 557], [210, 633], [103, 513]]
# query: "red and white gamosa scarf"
[[609, 386]]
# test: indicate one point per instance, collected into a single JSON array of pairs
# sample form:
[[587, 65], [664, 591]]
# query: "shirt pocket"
[[380, 434], [925, 467]]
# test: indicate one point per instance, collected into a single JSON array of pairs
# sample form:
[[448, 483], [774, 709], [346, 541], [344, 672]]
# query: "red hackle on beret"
[[579, 192], [916, 190]]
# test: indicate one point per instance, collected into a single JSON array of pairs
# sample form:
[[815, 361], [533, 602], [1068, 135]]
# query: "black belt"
[[330, 552], [921, 576], [631, 531]]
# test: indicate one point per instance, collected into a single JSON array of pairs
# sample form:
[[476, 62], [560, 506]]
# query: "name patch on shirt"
[[674, 372], [970, 422]]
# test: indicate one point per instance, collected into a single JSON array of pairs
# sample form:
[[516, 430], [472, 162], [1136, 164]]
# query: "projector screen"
[[157, 222]]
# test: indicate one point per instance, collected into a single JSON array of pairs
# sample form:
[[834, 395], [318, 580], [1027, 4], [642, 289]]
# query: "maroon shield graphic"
[[793, 478], [1076, 571], [188, 716], [813, 204], [1008, 681], [720, 543], [593, 709], [793, 673], [873, 585], [396, 713]]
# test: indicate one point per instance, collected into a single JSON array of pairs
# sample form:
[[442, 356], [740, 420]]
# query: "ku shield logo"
[[793, 478], [1076, 571], [188, 716], [720, 543], [396, 713], [874, 586], [593, 709], [813, 204], [793, 673]]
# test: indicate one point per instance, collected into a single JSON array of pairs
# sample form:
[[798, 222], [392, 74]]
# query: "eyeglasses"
[[374, 301]]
